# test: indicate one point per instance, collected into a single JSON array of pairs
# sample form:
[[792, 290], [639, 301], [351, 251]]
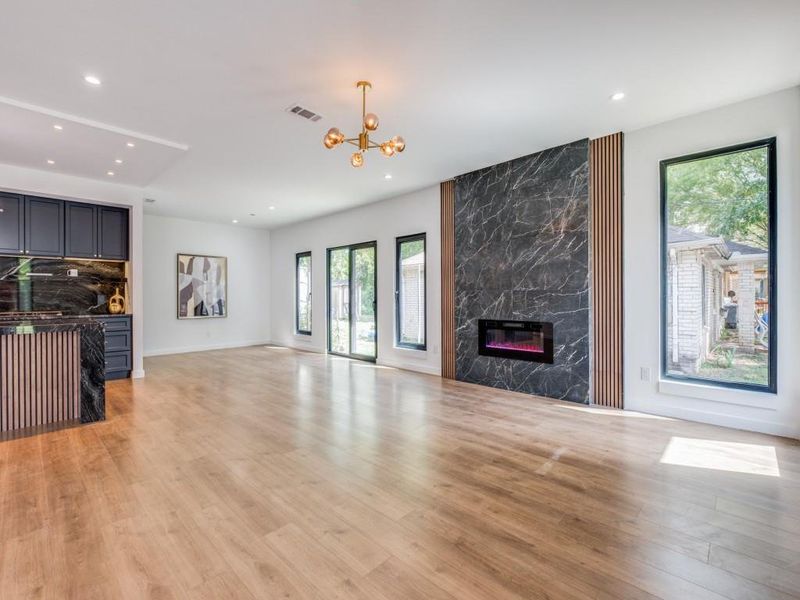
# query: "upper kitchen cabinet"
[[112, 233], [44, 226], [36, 226], [81, 230], [12, 231]]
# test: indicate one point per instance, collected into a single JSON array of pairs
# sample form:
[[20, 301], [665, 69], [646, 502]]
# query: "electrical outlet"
[[645, 373]]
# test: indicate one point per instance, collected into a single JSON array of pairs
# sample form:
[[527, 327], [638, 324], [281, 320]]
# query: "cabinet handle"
[[100, 256]]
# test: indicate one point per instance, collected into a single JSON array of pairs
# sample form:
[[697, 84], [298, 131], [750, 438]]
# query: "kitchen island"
[[52, 372]]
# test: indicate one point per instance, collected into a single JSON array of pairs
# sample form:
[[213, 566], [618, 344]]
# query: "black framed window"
[[718, 273], [302, 309], [410, 304]]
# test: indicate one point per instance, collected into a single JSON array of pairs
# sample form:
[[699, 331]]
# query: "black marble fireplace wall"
[[522, 252]]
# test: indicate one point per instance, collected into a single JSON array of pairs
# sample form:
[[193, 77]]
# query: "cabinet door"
[[12, 238], [81, 230], [44, 226], [112, 233]]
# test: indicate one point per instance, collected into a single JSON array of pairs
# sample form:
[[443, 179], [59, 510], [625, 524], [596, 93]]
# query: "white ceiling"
[[467, 83], [41, 138]]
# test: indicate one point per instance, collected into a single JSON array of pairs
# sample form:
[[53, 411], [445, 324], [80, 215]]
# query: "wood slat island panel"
[[39, 379]]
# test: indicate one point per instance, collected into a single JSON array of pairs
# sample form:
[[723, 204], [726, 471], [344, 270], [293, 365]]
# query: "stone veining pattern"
[[42, 284], [522, 252]]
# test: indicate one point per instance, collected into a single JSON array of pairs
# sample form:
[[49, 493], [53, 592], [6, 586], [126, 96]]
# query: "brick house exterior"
[[412, 275], [701, 269]]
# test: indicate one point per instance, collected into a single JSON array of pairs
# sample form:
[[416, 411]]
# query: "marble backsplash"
[[522, 252], [43, 284]]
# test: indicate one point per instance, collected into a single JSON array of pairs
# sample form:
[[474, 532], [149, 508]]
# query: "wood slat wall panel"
[[448, 206], [606, 201], [39, 379]]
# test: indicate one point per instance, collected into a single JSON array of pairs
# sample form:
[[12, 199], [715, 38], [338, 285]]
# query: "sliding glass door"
[[352, 301], [339, 300]]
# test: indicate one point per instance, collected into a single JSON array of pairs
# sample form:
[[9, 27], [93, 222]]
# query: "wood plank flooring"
[[264, 473]]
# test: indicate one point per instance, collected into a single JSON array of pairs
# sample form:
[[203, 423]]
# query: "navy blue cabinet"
[[119, 355], [37, 226], [80, 230], [12, 230], [44, 226], [95, 231], [112, 232]]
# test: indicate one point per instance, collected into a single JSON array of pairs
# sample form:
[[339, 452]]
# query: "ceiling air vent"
[[303, 112]]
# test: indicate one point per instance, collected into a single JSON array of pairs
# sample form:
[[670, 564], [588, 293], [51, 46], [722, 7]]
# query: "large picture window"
[[410, 291], [302, 310], [719, 317]]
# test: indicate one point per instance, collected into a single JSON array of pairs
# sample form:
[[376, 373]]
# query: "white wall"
[[777, 115], [248, 255], [383, 221], [67, 187]]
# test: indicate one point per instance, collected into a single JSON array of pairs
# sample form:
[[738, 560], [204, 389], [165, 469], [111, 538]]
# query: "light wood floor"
[[264, 473]]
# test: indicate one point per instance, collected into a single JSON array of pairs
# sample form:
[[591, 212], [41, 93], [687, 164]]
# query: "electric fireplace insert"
[[522, 340]]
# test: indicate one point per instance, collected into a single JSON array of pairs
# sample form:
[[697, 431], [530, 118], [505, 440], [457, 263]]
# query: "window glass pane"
[[364, 330], [717, 268], [411, 292], [304, 293], [339, 300]]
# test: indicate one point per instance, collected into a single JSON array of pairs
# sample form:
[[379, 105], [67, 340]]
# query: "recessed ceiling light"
[[92, 80], [118, 161], [131, 145], [252, 214], [387, 176], [235, 221], [110, 173], [272, 208], [50, 162], [58, 127], [618, 96]]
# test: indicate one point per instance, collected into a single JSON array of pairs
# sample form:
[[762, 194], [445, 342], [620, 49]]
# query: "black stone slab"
[[522, 252], [43, 284]]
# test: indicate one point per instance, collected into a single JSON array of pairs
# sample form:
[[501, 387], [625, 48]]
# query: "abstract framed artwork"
[[202, 286]]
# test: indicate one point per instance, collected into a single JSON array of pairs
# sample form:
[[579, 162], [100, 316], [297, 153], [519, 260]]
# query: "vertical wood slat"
[[606, 205], [39, 379], [448, 206]]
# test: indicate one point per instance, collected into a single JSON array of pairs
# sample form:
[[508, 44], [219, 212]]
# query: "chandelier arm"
[[353, 141]]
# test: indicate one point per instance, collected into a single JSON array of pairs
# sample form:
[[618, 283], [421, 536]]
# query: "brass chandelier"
[[369, 122]]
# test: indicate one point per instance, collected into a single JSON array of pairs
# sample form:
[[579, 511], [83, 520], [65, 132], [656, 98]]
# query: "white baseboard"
[[409, 366], [719, 419], [395, 364], [137, 374], [204, 347]]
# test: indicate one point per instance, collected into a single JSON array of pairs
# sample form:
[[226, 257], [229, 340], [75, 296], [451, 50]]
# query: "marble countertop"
[[11, 324]]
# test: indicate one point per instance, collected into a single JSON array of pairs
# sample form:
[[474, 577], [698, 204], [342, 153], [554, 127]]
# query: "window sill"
[[416, 351], [712, 393]]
